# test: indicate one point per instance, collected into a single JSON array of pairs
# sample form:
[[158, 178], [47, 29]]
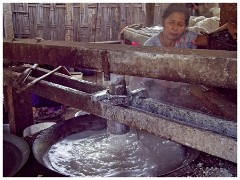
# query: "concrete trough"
[[207, 67]]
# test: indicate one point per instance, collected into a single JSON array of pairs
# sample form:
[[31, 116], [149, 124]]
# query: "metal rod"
[[24, 75], [36, 80]]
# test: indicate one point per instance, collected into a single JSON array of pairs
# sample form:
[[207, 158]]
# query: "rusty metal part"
[[198, 138], [36, 80], [24, 75], [215, 68], [62, 79]]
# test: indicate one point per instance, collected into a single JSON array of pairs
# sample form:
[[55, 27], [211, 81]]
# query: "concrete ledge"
[[207, 67]]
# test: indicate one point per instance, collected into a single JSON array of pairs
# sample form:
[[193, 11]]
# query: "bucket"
[[33, 129], [87, 126]]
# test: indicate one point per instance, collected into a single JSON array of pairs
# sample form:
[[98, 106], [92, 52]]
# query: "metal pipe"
[[24, 75], [23, 88], [206, 67]]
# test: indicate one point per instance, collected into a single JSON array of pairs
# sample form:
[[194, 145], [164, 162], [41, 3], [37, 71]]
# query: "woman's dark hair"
[[177, 7]]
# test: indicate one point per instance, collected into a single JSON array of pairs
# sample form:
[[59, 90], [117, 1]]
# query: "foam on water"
[[103, 154]]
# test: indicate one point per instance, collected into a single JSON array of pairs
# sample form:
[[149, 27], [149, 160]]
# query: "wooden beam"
[[20, 113], [228, 13], [150, 9]]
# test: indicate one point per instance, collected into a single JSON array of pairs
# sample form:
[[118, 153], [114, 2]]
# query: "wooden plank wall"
[[81, 22]]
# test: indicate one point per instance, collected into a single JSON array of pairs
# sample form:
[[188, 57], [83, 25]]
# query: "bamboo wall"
[[7, 21], [78, 21]]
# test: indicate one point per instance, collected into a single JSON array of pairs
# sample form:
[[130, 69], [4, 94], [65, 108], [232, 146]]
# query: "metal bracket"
[[119, 99], [24, 75]]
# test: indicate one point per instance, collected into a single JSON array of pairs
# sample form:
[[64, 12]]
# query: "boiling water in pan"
[[131, 154]]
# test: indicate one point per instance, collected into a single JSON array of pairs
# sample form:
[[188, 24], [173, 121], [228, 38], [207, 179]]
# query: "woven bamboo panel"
[[81, 22]]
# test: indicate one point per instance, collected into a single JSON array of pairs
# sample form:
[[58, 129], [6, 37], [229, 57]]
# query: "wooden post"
[[5, 107], [149, 21], [7, 21], [68, 23], [228, 13], [20, 113]]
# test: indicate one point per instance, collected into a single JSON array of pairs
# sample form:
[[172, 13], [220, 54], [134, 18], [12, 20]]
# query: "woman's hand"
[[232, 29]]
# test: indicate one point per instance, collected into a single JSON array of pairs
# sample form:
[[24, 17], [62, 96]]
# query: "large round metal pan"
[[52, 135], [15, 154]]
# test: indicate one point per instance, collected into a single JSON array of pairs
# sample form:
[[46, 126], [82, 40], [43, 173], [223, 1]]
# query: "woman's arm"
[[201, 40], [231, 27]]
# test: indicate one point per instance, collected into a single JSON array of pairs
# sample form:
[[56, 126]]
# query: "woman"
[[175, 34]]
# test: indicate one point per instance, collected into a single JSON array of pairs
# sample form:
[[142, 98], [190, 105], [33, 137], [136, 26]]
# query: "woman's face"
[[174, 25]]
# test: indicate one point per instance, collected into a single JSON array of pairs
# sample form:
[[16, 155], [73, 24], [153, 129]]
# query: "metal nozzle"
[[117, 86]]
